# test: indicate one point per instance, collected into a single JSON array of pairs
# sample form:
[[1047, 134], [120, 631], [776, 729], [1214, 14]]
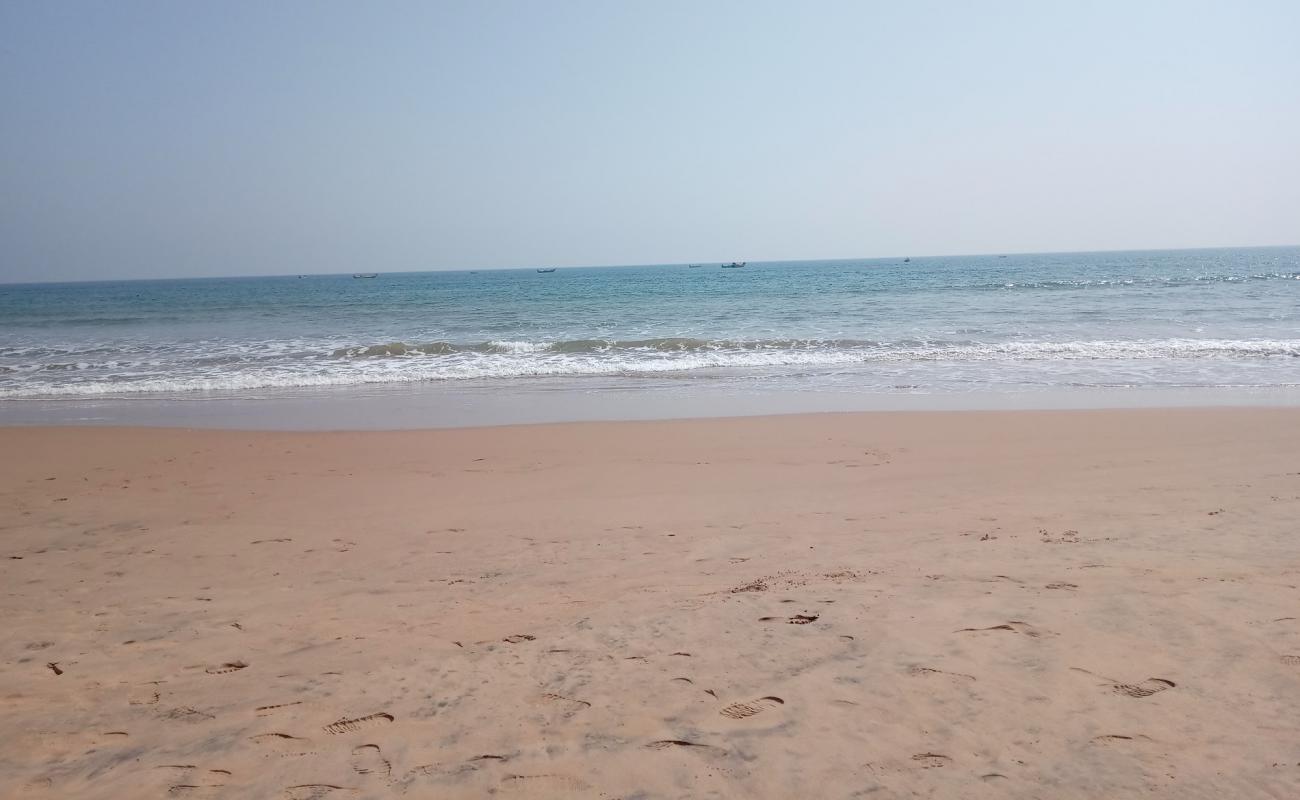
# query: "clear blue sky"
[[185, 138]]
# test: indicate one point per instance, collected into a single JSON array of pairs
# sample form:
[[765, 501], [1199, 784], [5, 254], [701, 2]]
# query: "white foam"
[[519, 347], [531, 359]]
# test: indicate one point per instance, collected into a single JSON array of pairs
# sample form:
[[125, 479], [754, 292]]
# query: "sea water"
[[1225, 319]]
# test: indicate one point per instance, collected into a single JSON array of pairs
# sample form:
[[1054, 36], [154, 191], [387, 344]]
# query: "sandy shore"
[[1027, 604]]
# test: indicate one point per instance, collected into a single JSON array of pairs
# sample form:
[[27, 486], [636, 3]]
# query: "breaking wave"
[[402, 362]]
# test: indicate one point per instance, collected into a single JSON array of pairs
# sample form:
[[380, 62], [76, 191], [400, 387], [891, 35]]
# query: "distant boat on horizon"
[[552, 269], [366, 275], [694, 266], [734, 265], [906, 260]]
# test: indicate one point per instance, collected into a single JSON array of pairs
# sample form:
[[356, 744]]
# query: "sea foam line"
[[540, 360]]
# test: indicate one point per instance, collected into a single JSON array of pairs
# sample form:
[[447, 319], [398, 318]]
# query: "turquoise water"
[[1206, 318]]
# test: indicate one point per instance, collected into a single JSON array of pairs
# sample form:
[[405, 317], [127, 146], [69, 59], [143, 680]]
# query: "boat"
[[552, 269], [694, 266], [366, 275], [734, 265], [906, 260]]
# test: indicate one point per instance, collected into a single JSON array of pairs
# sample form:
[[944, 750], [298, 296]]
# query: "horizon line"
[[659, 264]]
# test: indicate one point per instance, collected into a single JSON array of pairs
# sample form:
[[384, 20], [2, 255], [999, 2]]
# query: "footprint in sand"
[[518, 638], [1119, 738], [671, 744], [797, 619], [368, 759], [147, 697], [359, 723], [1293, 661], [1014, 626], [187, 714], [228, 667], [317, 791], [931, 760], [282, 744], [664, 744], [193, 782], [263, 711], [469, 765], [918, 671], [567, 705], [749, 709], [1146, 688]]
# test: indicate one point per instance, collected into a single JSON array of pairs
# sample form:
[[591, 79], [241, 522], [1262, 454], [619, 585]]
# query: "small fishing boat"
[[694, 266], [906, 260], [366, 275], [543, 271], [734, 265]]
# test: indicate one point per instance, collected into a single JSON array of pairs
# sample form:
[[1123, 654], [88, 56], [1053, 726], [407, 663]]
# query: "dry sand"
[[1054, 605]]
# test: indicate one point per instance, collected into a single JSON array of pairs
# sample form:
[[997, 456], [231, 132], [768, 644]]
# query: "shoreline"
[[488, 405], [979, 604], [773, 417]]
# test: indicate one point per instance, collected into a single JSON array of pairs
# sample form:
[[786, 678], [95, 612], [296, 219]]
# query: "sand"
[[1024, 604]]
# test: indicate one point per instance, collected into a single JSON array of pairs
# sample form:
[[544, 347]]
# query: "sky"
[[176, 139]]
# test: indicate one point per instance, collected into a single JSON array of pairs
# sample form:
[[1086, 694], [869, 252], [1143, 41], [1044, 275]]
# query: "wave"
[[1121, 282], [443, 361], [906, 349], [577, 346]]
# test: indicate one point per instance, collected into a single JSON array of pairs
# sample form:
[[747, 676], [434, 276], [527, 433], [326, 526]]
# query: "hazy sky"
[[185, 138]]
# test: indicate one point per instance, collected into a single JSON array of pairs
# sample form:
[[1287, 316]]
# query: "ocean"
[[1221, 322]]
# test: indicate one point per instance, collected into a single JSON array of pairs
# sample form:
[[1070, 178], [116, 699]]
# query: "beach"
[[941, 604]]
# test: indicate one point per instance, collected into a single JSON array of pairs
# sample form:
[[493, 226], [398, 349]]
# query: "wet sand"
[[982, 604]]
